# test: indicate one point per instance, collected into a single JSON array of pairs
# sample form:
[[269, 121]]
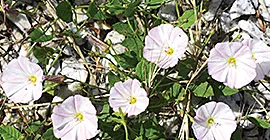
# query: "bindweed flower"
[[232, 64], [129, 96], [22, 80], [75, 119], [214, 121], [164, 45], [261, 54]]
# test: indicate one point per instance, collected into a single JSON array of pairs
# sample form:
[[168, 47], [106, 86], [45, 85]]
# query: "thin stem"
[[195, 74], [259, 103], [264, 85], [160, 81], [31, 49], [196, 19], [33, 105], [177, 9], [93, 86], [126, 130]]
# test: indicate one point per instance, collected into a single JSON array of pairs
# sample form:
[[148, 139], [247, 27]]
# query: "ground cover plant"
[[134, 69]]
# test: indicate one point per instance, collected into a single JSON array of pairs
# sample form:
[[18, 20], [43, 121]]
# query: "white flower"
[[232, 64], [164, 45], [22, 80], [261, 54], [129, 96], [75, 119], [214, 121]]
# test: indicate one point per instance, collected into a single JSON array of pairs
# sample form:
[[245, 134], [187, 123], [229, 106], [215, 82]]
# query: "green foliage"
[[113, 79], [123, 28], [237, 135], [64, 11], [142, 70], [129, 11], [185, 66], [38, 35], [133, 19], [94, 12], [177, 92], [139, 138], [154, 4], [205, 86], [10, 133], [115, 7], [204, 89], [48, 135], [259, 122], [34, 127], [227, 91], [43, 54], [134, 44], [106, 123], [127, 60], [151, 129], [187, 19]]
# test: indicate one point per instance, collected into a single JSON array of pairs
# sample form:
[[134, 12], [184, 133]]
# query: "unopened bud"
[[56, 78]]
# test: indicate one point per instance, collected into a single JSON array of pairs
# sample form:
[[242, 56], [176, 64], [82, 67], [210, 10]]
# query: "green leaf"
[[38, 36], [117, 120], [154, 4], [105, 113], [94, 12], [236, 135], [37, 137], [187, 19], [139, 138], [142, 70], [221, 89], [113, 79], [64, 11], [43, 54], [115, 7], [152, 130], [227, 91], [134, 44], [259, 122], [185, 66], [50, 87], [34, 127], [177, 92], [48, 135], [204, 90], [10, 133], [108, 130], [123, 28], [126, 59], [131, 8]]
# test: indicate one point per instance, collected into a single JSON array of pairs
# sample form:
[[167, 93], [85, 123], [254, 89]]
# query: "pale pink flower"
[[261, 54], [214, 121], [164, 45], [232, 64], [75, 119], [22, 80], [128, 96]]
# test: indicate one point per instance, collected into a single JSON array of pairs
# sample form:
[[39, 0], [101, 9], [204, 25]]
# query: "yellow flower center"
[[33, 79], [169, 51], [253, 56], [133, 100], [210, 121], [79, 116], [232, 61]]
